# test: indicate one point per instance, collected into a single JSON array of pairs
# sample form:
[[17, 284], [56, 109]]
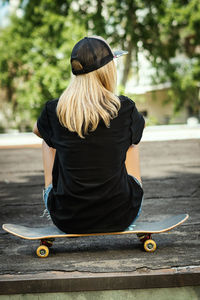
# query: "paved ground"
[[151, 133], [171, 178]]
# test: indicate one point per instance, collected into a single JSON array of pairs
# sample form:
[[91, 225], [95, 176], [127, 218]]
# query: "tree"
[[177, 57], [167, 32], [185, 78], [36, 66]]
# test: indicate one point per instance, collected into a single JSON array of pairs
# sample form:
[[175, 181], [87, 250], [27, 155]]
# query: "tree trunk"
[[128, 62], [99, 19]]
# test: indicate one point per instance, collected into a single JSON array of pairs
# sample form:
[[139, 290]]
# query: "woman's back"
[[92, 191]]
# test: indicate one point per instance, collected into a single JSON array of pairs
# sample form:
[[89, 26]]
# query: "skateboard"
[[47, 235]]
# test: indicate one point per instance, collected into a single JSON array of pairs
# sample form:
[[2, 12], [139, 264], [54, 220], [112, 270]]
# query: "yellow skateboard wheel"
[[150, 246], [42, 251]]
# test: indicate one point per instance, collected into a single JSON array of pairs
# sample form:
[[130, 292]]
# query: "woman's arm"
[[133, 161], [48, 158], [35, 130]]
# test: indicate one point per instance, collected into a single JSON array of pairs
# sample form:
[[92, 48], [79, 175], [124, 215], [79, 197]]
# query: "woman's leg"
[[48, 161], [133, 162], [133, 168]]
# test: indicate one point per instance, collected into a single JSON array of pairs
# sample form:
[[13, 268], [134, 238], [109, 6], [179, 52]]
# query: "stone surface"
[[171, 180]]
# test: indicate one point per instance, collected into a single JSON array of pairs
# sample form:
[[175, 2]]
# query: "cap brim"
[[119, 53]]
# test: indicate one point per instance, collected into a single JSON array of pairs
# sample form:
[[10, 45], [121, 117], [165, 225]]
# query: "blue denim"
[[132, 225], [46, 192]]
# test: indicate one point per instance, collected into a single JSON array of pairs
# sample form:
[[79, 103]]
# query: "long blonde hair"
[[89, 98]]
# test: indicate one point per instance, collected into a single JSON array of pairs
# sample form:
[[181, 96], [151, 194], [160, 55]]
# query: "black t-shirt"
[[92, 191]]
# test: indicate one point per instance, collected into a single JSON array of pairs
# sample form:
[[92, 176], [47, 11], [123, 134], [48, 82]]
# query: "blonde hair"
[[89, 98]]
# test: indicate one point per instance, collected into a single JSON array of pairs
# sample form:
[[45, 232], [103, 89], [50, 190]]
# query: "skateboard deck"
[[46, 235]]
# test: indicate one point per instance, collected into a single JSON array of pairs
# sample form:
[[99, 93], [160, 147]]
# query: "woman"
[[91, 163]]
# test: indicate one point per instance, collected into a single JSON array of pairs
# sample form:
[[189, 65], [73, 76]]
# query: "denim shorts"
[[132, 225], [46, 192]]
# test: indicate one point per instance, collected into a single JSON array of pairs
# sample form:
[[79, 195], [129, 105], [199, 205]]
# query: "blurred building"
[[152, 100], [153, 104]]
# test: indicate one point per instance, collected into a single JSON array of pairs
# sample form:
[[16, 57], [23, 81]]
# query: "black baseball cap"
[[92, 53]]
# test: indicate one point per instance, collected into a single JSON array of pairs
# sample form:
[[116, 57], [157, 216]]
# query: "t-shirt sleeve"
[[44, 126], [137, 126]]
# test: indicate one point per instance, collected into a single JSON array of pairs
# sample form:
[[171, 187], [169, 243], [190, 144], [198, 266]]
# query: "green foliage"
[[179, 61], [36, 64], [167, 32], [35, 48], [151, 121]]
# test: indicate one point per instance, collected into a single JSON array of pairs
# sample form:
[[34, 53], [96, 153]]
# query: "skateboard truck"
[[48, 243]]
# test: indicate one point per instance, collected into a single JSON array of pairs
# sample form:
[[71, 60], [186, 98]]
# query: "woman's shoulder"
[[126, 101], [50, 108], [51, 104], [127, 104]]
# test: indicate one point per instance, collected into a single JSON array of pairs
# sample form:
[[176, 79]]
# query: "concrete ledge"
[[177, 293], [53, 282]]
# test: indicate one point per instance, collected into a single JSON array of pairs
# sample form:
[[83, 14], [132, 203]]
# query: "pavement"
[[171, 179], [151, 133]]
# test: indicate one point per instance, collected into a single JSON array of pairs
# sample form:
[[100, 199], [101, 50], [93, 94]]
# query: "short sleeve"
[[44, 127], [137, 126]]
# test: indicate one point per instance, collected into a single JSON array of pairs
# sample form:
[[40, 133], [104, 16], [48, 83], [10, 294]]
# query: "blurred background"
[[161, 72]]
